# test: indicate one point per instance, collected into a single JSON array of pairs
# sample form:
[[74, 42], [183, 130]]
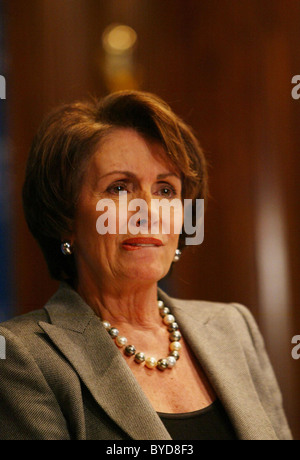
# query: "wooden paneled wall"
[[226, 68]]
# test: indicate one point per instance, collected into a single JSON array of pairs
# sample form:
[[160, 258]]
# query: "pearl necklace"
[[150, 362]]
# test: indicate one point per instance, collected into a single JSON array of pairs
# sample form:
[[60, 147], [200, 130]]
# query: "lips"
[[132, 244]]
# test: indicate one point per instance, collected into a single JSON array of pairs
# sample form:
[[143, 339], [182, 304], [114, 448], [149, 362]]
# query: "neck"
[[133, 304]]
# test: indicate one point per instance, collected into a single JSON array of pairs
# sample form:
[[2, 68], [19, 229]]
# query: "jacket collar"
[[77, 332]]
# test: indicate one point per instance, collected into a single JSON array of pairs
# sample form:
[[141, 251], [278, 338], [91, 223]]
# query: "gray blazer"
[[64, 378]]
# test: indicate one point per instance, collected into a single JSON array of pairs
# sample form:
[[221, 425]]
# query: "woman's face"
[[125, 162]]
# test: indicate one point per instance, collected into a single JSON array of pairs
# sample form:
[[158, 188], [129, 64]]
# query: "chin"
[[147, 273]]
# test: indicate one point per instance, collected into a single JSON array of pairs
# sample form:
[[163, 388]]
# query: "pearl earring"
[[177, 255], [66, 248]]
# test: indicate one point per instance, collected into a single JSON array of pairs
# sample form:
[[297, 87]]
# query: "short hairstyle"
[[63, 146]]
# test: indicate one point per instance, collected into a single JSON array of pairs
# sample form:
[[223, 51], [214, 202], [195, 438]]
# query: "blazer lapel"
[[221, 356], [80, 336]]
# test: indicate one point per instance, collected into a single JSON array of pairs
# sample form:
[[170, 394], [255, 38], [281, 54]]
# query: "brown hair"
[[65, 142]]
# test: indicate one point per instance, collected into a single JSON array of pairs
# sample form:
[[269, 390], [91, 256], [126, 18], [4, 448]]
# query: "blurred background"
[[226, 68]]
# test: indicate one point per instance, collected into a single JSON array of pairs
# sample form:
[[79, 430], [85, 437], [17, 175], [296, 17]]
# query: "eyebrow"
[[130, 174]]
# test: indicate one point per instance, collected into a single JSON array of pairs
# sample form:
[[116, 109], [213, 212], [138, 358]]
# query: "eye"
[[167, 191], [117, 187]]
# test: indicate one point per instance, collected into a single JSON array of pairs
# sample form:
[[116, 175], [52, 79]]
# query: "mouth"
[[132, 244]]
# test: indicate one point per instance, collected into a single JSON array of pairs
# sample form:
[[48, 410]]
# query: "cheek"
[[86, 237], [174, 222], [95, 251], [175, 242]]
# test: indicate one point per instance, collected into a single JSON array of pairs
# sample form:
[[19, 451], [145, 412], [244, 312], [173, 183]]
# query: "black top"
[[208, 424]]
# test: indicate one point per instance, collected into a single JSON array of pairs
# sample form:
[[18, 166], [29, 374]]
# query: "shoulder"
[[26, 324], [231, 312], [231, 319], [23, 334]]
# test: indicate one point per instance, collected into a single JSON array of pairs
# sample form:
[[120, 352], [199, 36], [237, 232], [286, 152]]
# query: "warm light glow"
[[118, 39], [272, 264]]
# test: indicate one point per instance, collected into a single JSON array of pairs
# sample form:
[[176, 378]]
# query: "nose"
[[142, 222], [148, 218]]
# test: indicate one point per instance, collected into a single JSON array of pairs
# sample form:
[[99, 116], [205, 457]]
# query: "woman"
[[101, 359]]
